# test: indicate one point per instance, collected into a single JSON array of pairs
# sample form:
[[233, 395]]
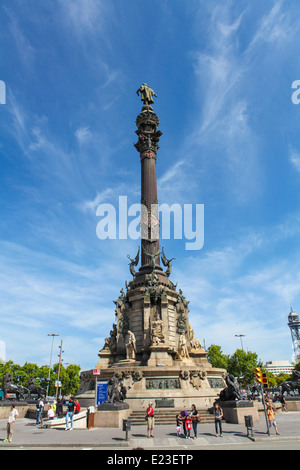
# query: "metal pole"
[[265, 409], [53, 335], [95, 392], [241, 336], [61, 344]]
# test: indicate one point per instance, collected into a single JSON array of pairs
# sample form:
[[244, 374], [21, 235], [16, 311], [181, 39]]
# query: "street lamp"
[[53, 336], [59, 365], [241, 336]]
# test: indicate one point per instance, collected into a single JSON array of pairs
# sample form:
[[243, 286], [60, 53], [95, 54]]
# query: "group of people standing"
[[186, 421], [56, 411]]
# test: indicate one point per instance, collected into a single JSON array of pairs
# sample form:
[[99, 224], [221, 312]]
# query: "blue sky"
[[223, 73]]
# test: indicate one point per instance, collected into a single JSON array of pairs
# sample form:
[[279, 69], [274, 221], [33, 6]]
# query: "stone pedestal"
[[159, 357], [5, 408], [235, 411], [111, 416], [293, 404]]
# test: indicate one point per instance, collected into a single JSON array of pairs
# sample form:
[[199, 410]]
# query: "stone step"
[[162, 417]]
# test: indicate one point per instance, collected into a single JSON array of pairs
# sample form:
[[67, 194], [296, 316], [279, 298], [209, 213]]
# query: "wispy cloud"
[[83, 135], [229, 294], [25, 49], [91, 205], [275, 27], [224, 69], [294, 157]]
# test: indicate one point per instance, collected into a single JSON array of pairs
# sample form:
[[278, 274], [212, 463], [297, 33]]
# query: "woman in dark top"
[[218, 412], [195, 419]]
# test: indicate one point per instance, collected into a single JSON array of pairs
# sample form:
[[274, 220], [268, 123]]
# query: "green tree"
[[280, 378], [69, 376], [241, 364], [216, 357]]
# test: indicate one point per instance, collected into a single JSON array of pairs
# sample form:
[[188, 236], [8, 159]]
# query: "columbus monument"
[[152, 348]]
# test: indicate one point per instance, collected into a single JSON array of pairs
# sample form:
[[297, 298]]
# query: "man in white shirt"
[[50, 413], [10, 423]]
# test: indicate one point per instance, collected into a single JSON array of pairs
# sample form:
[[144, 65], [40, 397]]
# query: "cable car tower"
[[294, 324]]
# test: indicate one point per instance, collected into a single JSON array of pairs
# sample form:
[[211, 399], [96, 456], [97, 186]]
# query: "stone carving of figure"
[[133, 262], [166, 262], [146, 94], [157, 330], [194, 342], [232, 391], [152, 257], [130, 345], [122, 299], [182, 351], [111, 342], [113, 393], [9, 387]]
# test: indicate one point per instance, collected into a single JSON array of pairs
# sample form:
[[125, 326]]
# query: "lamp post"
[[48, 380], [59, 365], [241, 336]]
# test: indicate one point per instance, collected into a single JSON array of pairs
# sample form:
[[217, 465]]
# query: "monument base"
[[110, 418], [235, 411], [113, 406], [183, 383], [293, 404]]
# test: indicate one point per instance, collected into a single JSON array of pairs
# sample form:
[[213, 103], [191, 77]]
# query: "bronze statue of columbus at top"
[[146, 94]]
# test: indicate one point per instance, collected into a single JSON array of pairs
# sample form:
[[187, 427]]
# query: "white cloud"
[[275, 27], [295, 158], [83, 135]]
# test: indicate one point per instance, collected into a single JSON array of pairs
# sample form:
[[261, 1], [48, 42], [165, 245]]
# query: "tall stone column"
[[147, 146]]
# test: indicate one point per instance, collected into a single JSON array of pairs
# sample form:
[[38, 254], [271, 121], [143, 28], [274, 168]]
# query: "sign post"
[[96, 373]]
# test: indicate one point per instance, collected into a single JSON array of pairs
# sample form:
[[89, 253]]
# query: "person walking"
[[282, 401], [270, 414], [13, 414], [150, 420], [195, 420], [70, 414], [218, 412]]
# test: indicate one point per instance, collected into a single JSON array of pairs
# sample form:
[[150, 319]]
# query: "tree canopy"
[[241, 364], [69, 376]]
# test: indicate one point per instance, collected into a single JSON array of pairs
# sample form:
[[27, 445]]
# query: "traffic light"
[[258, 374], [265, 380]]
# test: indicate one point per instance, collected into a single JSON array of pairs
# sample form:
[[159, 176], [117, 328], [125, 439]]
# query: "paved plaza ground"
[[27, 435]]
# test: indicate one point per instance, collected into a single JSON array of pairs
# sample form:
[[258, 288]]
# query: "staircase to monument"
[[164, 416]]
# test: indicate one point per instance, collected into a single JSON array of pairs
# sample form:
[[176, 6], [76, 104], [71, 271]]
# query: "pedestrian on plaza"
[[270, 414], [70, 414], [50, 412], [59, 408], [150, 420], [195, 420], [282, 401], [77, 406], [188, 427], [178, 425], [13, 414], [40, 408], [183, 415], [218, 412]]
